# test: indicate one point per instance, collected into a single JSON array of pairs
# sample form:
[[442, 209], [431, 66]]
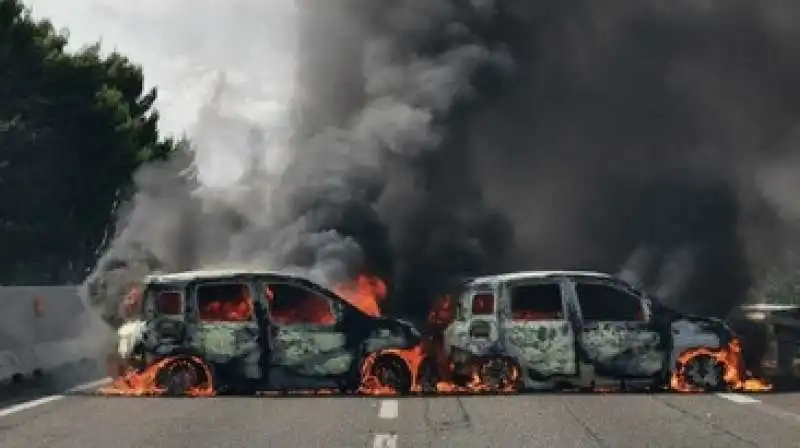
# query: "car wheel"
[[393, 372], [500, 374], [181, 375], [705, 373]]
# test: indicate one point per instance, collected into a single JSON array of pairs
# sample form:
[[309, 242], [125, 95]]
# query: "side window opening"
[[533, 302], [293, 305], [225, 302], [482, 304], [169, 303], [600, 302]]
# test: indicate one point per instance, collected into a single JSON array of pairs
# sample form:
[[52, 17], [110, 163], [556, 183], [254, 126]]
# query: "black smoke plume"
[[436, 139]]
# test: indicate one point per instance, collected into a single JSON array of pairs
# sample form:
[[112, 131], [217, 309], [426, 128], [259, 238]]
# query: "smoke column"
[[430, 140]]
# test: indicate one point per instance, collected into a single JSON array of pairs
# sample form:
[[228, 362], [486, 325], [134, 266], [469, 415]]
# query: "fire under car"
[[582, 330], [246, 331]]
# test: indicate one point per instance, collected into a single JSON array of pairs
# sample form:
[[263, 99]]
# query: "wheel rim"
[[705, 372], [499, 373], [180, 376], [390, 373]]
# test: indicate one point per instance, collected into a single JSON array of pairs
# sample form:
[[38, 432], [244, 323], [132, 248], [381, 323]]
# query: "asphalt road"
[[80, 420]]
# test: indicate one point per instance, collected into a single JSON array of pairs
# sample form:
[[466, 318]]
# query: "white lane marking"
[[24, 406], [385, 441], [88, 386], [28, 405], [738, 398], [388, 409]]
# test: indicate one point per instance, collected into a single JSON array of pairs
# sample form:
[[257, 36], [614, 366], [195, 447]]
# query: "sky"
[[184, 46]]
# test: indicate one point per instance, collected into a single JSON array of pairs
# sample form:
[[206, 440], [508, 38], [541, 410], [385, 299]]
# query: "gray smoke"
[[435, 139]]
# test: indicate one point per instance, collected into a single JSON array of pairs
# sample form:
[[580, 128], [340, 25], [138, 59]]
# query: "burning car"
[[203, 332], [550, 330]]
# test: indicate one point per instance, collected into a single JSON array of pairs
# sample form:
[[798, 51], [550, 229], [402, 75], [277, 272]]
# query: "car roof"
[[530, 275], [216, 274]]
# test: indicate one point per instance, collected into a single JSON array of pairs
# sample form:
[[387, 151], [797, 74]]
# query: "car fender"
[[690, 333]]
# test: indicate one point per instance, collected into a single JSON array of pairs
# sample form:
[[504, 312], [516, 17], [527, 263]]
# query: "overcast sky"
[[182, 44]]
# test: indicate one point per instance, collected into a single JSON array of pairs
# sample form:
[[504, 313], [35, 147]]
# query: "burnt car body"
[[259, 330], [566, 329]]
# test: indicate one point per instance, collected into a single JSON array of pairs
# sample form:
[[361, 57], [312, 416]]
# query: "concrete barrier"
[[41, 329]]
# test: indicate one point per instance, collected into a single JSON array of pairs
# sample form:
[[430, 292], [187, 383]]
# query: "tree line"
[[74, 126]]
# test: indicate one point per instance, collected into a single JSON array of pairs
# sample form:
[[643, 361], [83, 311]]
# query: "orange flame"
[[149, 381], [365, 293], [735, 375], [429, 351], [476, 383]]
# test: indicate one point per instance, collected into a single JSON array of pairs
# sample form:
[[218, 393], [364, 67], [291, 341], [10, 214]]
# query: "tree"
[[73, 129]]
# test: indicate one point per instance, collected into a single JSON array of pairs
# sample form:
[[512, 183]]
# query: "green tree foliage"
[[73, 129]]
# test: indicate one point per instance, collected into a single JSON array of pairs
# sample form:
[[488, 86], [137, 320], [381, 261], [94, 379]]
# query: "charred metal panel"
[[312, 353], [689, 333], [546, 347], [224, 340], [455, 335], [622, 348], [384, 338]]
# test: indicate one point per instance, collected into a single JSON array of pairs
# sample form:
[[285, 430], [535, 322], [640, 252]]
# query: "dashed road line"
[[388, 409], [385, 441], [738, 398], [24, 406]]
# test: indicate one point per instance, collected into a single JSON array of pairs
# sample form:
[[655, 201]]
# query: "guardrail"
[[41, 329]]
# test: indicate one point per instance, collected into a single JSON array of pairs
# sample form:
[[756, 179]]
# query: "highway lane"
[[546, 420]]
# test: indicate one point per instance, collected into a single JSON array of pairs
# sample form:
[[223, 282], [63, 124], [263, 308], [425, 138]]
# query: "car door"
[[223, 325], [305, 333], [616, 334], [537, 329]]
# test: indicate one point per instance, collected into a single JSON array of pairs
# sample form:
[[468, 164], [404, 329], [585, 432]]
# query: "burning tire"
[[393, 372], [180, 376], [705, 373], [500, 374]]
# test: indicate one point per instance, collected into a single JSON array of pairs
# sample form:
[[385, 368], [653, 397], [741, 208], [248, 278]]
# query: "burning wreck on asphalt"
[[586, 330], [207, 332]]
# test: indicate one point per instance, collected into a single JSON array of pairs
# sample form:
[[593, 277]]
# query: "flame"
[[307, 310], [227, 310], [365, 293], [735, 376], [476, 383], [429, 352], [491, 375], [146, 383], [442, 314]]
